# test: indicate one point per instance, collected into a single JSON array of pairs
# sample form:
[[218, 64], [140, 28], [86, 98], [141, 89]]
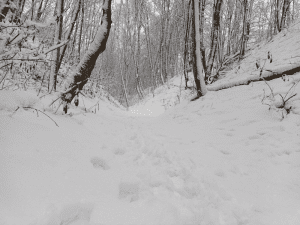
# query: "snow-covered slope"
[[225, 159], [283, 50]]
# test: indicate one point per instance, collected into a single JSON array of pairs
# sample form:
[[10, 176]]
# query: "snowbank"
[[11, 100]]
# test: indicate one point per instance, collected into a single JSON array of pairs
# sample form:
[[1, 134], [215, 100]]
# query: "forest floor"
[[225, 159]]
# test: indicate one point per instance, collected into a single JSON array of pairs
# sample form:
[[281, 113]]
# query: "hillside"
[[277, 56]]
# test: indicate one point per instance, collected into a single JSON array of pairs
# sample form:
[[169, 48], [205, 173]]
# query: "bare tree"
[[57, 39], [214, 36], [82, 73], [197, 64]]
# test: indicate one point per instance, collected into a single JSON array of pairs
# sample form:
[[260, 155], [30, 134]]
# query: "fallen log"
[[267, 74]]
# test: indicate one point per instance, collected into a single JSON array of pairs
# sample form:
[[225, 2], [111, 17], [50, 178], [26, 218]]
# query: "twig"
[[268, 86], [290, 97], [44, 95], [34, 59], [58, 107], [10, 41], [41, 83], [82, 93], [4, 76], [6, 65], [7, 86], [15, 111], [54, 101], [56, 46], [94, 105], [291, 88], [41, 112]]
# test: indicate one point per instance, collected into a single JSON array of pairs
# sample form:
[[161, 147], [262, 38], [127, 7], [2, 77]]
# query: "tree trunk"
[[83, 71], [277, 15], [125, 88], [186, 63], [20, 6], [214, 37], [32, 9], [39, 12], [202, 49], [285, 8], [230, 10], [197, 65], [244, 32], [80, 31], [57, 39], [68, 36]]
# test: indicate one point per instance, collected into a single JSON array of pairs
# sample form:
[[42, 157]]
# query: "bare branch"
[[56, 46], [41, 112]]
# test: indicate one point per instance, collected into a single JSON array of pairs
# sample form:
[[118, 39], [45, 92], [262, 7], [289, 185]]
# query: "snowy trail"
[[222, 160]]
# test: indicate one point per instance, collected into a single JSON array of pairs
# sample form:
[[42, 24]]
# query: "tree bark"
[[230, 10], [197, 64], [83, 71], [68, 36], [202, 48], [57, 39], [39, 12], [285, 8], [186, 63], [244, 32], [80, 31], [214, 37]]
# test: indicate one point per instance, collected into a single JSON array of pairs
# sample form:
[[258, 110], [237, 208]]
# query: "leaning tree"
[[80, 76]]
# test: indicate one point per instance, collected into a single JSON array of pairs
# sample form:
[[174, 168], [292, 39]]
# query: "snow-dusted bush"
[[24, 53], [284, 100]]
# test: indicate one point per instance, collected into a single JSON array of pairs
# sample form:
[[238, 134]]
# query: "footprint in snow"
[[99, 163], [225, 152], [119, 151], [229, 134], [220, 173], [129, 191], [254, 137]]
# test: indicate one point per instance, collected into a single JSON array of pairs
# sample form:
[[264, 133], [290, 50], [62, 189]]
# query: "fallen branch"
[[37, 110], [266, 75]]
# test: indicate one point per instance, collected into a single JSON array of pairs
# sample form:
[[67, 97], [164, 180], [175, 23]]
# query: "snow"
[[224, 159], [10, 100], [284, 51]]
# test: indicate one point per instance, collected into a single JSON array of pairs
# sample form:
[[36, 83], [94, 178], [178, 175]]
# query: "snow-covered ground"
[[224, 159]]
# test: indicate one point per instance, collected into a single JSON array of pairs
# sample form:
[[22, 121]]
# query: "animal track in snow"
[[129, 191], [99, 163]]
